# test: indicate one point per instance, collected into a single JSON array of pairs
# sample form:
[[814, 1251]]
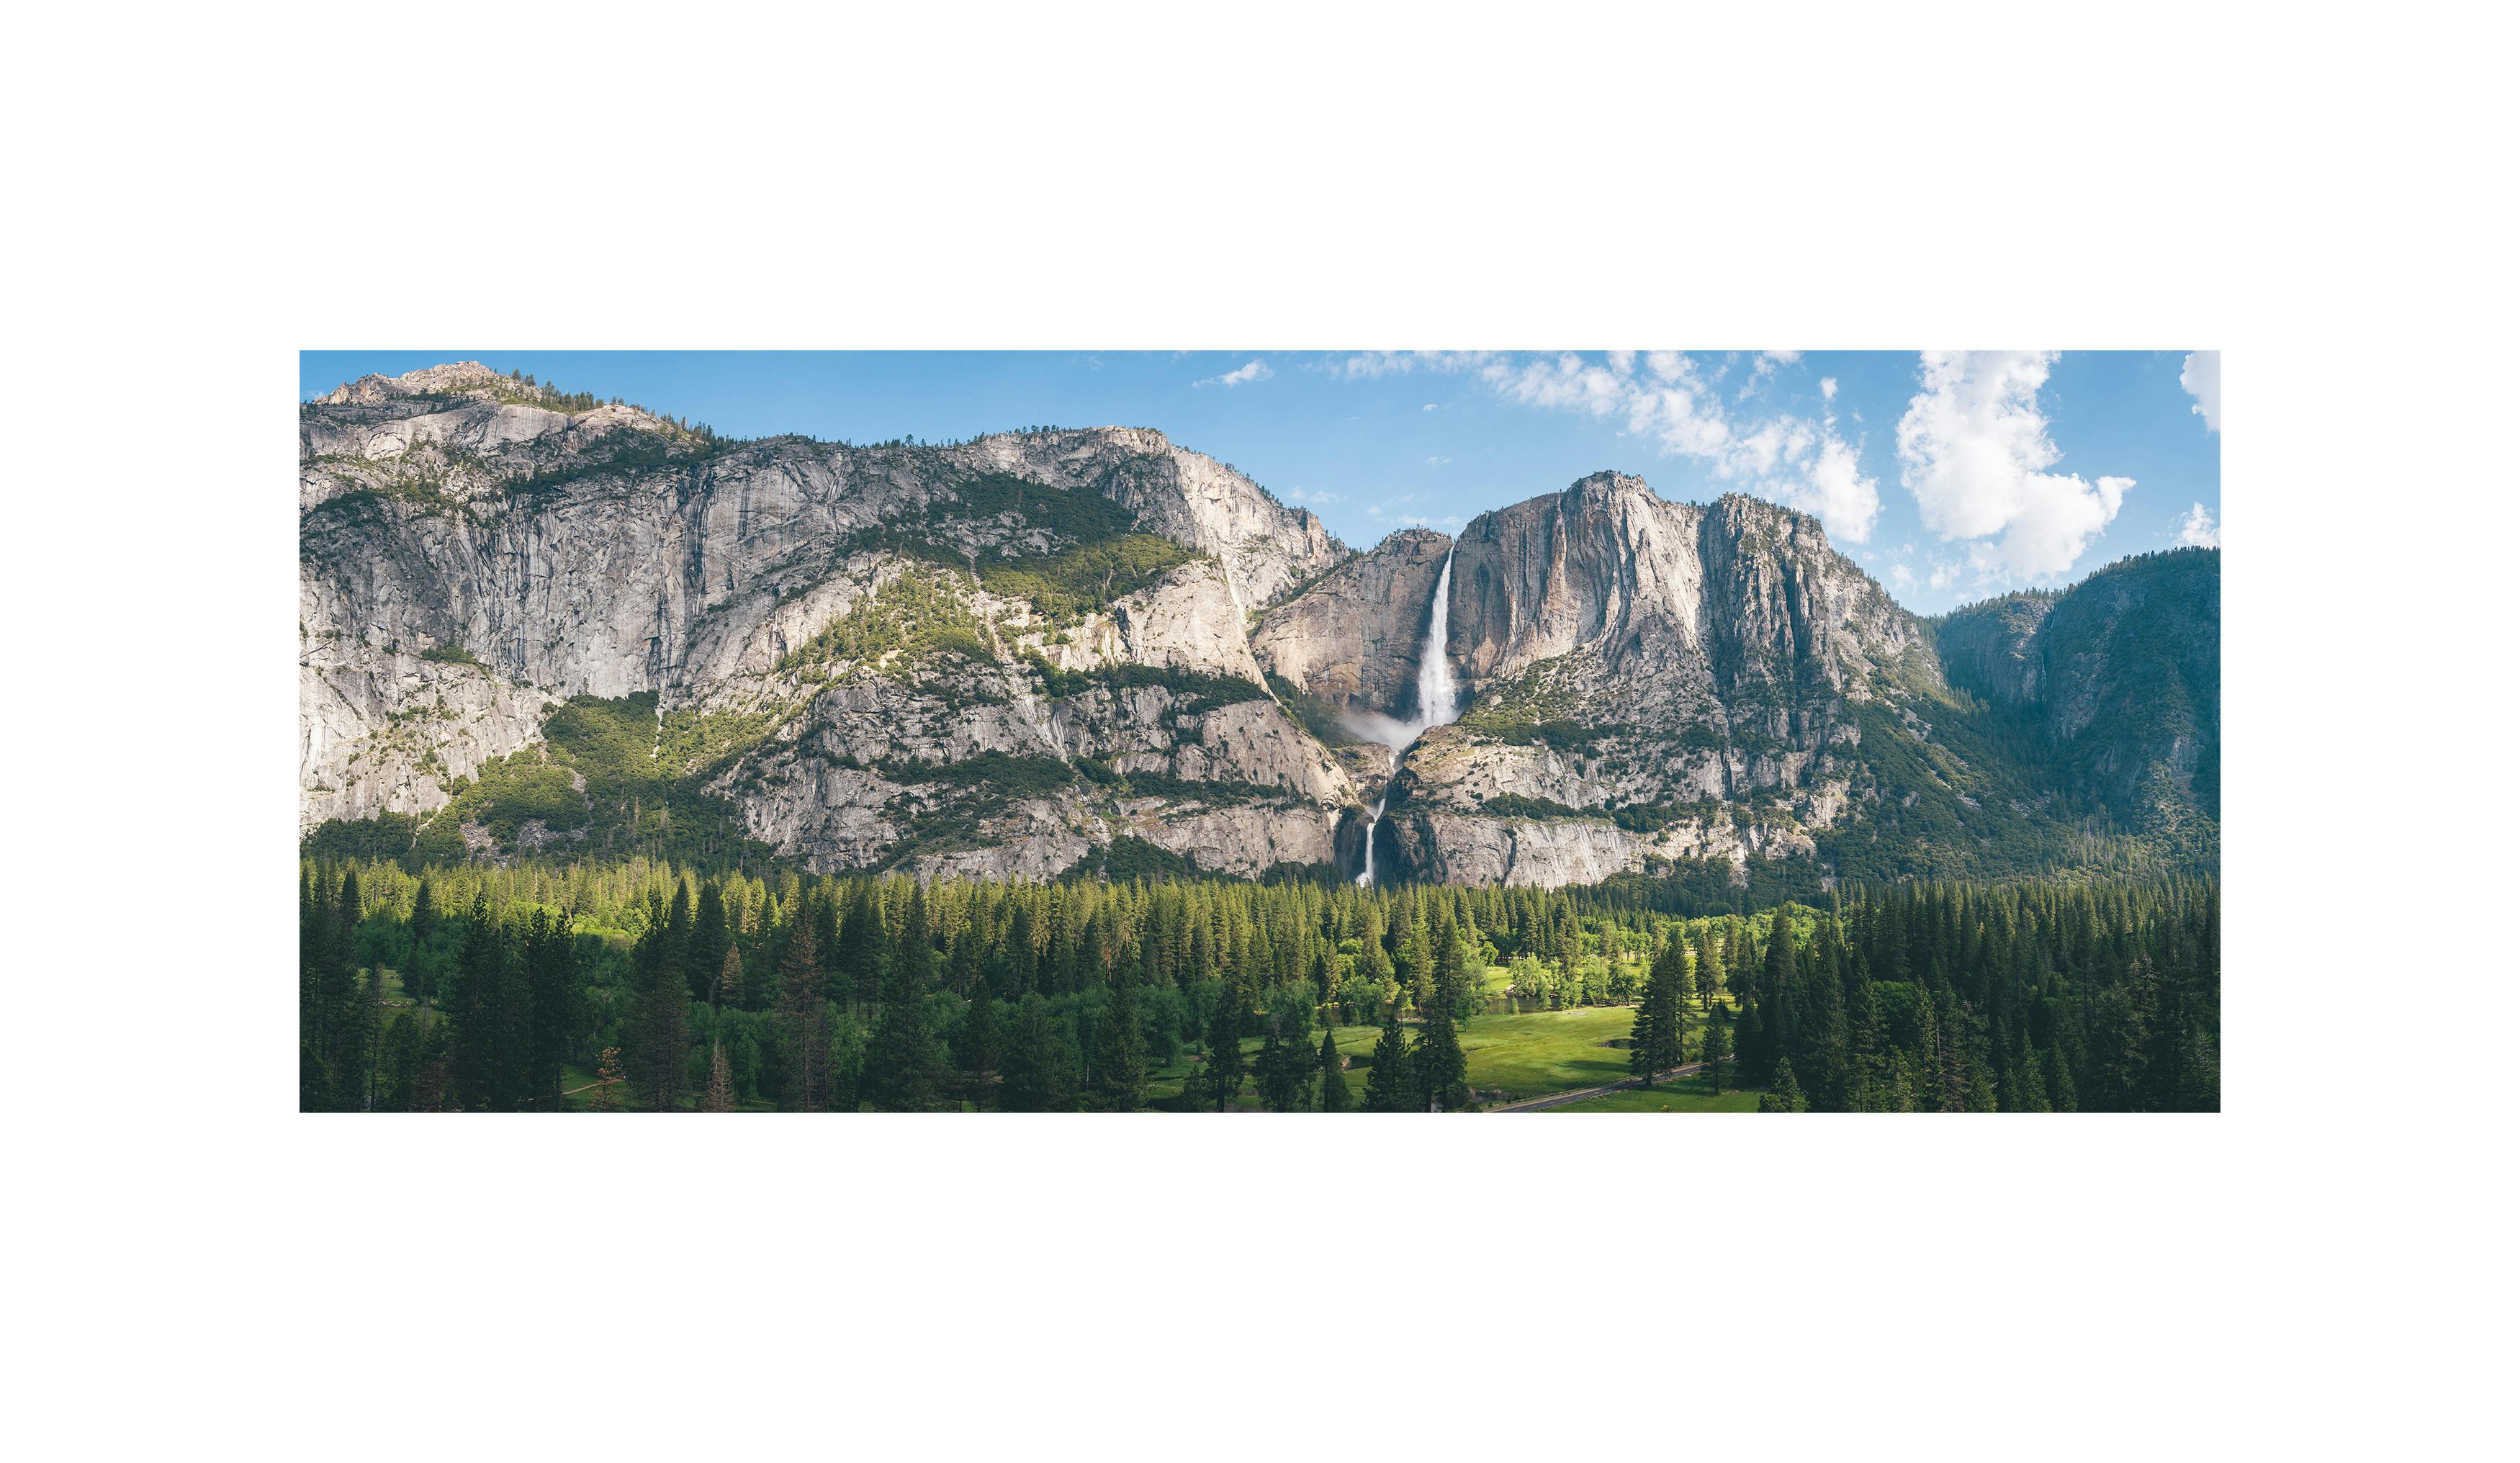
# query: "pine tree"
[[729, 979], [1120, 1048], [1285, 1065], [400, 1066], [1334, 1095], [710, 945], [1784, 1094], [1026, 1082], [1391, 1082], [905, 1060], [1712, 1048], [362, 1028], [720, 1096], [802, 1021], [1224, 1074], [1443, 1074], [976, 1045], [662, 1009], [1710, 967], [2060, 1082], [1654, 1038], [551, 1000]]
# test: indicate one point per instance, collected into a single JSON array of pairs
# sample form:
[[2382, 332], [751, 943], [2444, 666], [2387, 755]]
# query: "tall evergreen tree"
[[1335, 1094], [1224, 1072], [801, 1013], [1656, 1035], [710, 947], [1027, 1079], [905, 1059], [552, 999], [976, 1045], [1391, 1082], [1784, 1094], [1285, 1064], [1714, 1046], [1119, 1064], [661, 1002], [1443, 1074]]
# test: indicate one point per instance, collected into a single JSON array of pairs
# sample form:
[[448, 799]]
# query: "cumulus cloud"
[[2201, 376], [1829, 388], [1662, 396], [1257, 371], [1765, 367], [1437, 462], [1975, 449], [1316, 494], [1428, 407], [1373, 364], [2198, 530]]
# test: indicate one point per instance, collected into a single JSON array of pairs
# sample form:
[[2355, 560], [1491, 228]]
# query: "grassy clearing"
[[1528, 1055]]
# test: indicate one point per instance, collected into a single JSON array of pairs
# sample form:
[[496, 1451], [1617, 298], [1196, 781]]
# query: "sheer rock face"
[[1644, 681], [1354, 636], [544, 550], [1993, 647], [1628, 653]]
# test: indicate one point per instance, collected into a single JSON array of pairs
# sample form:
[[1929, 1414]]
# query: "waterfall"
[[1364, 880], [1436, 692], [1438, 699]]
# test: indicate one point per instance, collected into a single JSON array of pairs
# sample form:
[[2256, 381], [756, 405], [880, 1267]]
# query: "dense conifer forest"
[[644, 985]]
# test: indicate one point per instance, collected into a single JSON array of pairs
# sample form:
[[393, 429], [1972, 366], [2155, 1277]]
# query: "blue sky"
[[1949, 477]]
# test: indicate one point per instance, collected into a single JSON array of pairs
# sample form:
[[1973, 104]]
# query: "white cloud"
[[2201, 376], [1765, 367], [1316, 494], [1973, 448], [1903, 577], [1257, 371], [1946, 574], [1428, 407], [1829, 388], [1790, 459], [2198, 530], [1437, 462], [1374, 365]]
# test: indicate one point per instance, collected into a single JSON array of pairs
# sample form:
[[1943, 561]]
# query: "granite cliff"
[[531, 622]]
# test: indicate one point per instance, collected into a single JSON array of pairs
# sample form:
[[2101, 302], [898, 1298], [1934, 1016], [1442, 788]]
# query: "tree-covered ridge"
[[2114, 686], [644, 984]]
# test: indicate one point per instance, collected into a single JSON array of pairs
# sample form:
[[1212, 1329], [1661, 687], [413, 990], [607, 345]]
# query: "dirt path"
[[1561, 1099]]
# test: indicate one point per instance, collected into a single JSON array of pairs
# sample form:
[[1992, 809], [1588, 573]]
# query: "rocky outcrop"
[[1011, 655], [1992, 648], [542, 547], [1669, 664]]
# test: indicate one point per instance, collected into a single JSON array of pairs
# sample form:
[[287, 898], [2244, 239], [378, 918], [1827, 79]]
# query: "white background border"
[[200, 194]]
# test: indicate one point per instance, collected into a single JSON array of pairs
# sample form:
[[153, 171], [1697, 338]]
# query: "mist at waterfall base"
[[1438, 701]]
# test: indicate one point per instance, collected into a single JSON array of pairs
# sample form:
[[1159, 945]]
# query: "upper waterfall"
[[1438, 698], [1435, 690], [1438, 695]]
